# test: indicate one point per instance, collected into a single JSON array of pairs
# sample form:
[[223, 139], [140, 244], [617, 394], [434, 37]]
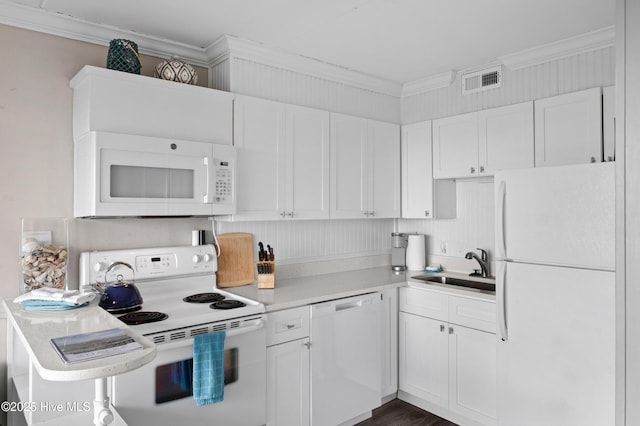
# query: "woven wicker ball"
[[176, 70]]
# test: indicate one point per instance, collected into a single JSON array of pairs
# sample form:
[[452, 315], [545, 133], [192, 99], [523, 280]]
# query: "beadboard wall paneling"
[[583, 71], [264, 81], [219, 76], [307, 241], [473, 227]]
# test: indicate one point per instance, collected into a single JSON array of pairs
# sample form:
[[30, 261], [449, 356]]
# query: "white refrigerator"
[[555, 276]]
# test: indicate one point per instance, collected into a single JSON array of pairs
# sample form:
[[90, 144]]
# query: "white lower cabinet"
[[445, 367], [288, 384]]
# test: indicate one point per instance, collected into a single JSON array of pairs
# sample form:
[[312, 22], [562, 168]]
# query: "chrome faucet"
[[483, 261]]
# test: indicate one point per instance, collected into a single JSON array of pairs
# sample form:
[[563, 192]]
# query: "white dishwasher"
[[345, 359]]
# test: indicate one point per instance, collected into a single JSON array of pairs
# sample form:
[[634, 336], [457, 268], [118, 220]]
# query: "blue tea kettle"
[[120, 295]]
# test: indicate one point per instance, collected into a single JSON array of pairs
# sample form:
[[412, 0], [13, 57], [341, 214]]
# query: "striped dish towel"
[[208, 368]]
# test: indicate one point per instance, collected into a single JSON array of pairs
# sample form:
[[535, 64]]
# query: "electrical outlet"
[[443, 247]]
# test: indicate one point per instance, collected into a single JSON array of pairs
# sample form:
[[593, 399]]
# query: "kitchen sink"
[[460, 282]]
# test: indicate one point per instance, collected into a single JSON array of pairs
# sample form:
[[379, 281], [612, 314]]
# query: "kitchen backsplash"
[[472, 228], [318, 240]]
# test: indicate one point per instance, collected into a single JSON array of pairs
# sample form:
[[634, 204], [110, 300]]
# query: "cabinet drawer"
[[287, 325], [472, 313], [424, 303]]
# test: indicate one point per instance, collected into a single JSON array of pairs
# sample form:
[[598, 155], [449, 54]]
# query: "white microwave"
[[128, 175]]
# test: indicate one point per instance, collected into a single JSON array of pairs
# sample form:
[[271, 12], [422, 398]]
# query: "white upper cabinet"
[[365, 168], [479, 143], [569, 128], [283, 160], [422, 197], [505, 138], [384, 169], [455, 146], [120, 102], [307, 165]]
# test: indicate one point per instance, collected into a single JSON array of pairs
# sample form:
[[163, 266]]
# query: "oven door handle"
[[256, 325]]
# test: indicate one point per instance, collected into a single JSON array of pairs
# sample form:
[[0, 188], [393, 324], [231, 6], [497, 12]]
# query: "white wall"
[[268, 82]]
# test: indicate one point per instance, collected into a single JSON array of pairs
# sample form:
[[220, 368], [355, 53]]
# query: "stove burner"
[[204, 298], [142, 317], [227, 304], [124, 310]]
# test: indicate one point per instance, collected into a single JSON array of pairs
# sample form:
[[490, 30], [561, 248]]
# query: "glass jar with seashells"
[[44, 244]]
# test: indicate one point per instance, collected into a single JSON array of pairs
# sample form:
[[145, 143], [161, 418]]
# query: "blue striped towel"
[[208, 368]]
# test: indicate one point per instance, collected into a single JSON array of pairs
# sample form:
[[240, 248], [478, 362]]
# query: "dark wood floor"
[[399, 413]]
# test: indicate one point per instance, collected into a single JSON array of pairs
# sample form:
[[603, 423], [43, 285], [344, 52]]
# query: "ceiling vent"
[[490, 78]]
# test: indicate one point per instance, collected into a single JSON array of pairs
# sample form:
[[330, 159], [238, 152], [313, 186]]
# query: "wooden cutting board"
[[236, 265]]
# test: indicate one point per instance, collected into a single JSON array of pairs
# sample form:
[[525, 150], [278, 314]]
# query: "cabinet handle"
[[473, 170], [290, 214], [283, 214], [290, 326], [450, 330], [441, 328], [307, 345], [481, 169], [372, 213], [426, 212], [593, 159]]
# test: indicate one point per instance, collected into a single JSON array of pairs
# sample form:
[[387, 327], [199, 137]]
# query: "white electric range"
[[160, 393]]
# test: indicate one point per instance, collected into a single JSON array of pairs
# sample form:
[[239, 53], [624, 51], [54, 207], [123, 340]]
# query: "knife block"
[[267, 280]]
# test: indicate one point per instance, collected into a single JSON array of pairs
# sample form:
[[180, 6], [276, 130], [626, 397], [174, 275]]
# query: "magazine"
[[99, 344]]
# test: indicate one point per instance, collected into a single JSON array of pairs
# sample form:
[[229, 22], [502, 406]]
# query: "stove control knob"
[[196, 258], [207, 257]]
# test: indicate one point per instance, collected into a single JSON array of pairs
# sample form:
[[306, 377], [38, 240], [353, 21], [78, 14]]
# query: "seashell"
[[30, 245]]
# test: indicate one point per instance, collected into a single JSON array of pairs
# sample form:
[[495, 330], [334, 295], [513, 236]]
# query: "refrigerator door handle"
[[502, 197], [501, 286]]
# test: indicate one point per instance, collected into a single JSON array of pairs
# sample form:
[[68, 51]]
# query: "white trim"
[[594, 40], [66, 26], [427, 84], [238, 48]]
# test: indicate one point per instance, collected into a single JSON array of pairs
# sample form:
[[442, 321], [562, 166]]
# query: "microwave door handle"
[[207, 179]]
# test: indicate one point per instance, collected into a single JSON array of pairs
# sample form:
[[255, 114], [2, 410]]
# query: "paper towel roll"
[[416, 252]]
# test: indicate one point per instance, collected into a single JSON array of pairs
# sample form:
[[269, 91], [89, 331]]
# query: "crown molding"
[[230, 47], [594, 40], [427, 84], [238, 48], [39, 20]]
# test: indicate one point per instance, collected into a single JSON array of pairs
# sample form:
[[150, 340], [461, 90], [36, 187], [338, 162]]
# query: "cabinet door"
[[383, 169], [472, 374], [455, 146], [417, 171], [259, 133], [288, 386], [505, 138], [569, 128], [348, 168], [423, 358], [307, 180]]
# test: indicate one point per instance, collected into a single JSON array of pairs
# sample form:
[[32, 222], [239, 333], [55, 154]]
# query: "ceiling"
[[395, 40]]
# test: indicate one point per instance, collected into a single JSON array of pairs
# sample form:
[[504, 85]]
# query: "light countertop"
[[35, 329], [294, 292]]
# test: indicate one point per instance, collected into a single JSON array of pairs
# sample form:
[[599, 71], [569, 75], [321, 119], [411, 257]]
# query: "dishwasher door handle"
[[349, 305]]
